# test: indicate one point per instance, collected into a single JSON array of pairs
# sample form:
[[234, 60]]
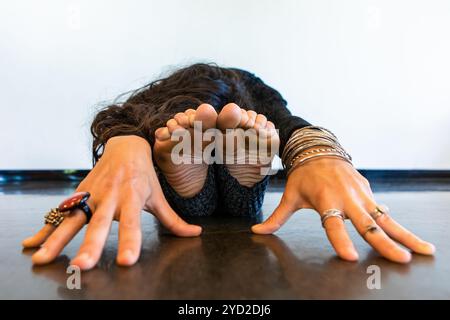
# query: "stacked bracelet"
[[311, 142]]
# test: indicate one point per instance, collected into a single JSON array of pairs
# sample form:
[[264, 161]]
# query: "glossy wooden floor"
[[227, 261]]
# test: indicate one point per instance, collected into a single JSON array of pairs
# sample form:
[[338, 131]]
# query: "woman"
[[134, 169]]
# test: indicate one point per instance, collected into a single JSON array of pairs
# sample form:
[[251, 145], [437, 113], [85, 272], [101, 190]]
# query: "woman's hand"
[[121, 184], [325, 183]]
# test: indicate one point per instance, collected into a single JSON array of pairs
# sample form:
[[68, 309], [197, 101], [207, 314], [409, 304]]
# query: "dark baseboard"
[[7, 176], [371, 174], [57, 181]]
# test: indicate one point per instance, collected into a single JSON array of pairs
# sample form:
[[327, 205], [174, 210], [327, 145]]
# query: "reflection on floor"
[[227, 261]]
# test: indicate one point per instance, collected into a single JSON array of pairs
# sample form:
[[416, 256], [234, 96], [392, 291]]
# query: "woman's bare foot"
[[252, 164], [186, 179]]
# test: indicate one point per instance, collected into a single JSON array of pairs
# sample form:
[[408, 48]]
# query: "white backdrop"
[[377, 73]]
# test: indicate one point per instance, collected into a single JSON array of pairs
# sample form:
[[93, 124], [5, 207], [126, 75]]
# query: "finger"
[[172, 221], [62, 235], [281, 214], [96, 234], [404, 236], [130, 234], [336, 232], [339, 239], [39, 238], [377, 238]]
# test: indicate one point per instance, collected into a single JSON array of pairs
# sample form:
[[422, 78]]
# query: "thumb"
[[173, 222], [281, 214]]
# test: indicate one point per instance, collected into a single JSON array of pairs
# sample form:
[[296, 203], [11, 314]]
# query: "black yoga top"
[[270, 103]]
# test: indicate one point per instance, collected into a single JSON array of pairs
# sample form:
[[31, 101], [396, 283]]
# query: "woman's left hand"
[[332, 183]]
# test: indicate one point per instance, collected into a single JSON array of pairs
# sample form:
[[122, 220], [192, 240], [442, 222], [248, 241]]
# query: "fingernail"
[[40, 256], [128, 254], [84, 256], [261, 229], [84, 261], [26, 242], [406, 257], [354, 255], [41, 252], [126, 258], [427, 248], [198, 229]]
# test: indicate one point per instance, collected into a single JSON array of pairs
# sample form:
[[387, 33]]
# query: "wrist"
[[127, 139], [324, 160], [132, 142], [310, 143]]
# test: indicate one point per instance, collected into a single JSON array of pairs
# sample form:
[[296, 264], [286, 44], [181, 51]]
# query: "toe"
[[182, 119], [251, 119], [173, 125], [162, 134], [260, 121], [270, 130], [190, 114], [207, 115], [229, 117], [244, 118]]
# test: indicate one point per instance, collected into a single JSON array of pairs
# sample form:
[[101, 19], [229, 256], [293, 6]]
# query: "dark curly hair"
[[149, 107]]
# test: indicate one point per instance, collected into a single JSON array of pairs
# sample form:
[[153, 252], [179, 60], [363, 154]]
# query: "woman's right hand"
[[122, 183]]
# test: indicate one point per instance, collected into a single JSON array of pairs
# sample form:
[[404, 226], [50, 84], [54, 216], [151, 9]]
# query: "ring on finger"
[[379, 211], [54, 217], [331, 213], [370, 229], [77, 201]]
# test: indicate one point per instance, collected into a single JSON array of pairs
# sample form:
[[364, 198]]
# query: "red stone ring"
[[76, 201]]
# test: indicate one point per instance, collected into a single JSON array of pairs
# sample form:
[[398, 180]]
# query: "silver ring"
[[379, 211], [331, 213]]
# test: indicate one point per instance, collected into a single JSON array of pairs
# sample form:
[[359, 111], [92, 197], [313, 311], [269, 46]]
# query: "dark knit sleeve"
[[269, 102]]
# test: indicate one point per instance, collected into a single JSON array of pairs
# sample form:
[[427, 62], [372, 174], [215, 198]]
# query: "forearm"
[[269, 102]]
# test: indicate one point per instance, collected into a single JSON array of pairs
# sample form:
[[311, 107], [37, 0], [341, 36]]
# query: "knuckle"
[[108, 184], [385, 219], [81, 186], [130, 224], [323, 195], [364, 222], [128, 168], [99, 220]]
